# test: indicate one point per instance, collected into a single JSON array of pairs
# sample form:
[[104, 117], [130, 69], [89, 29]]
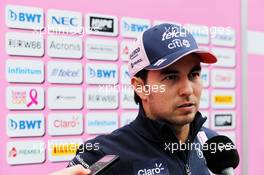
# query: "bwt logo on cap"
[[23, 17]]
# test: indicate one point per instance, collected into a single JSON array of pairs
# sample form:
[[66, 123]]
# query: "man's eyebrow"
[[169, 71], [175, 71], [196, 68]]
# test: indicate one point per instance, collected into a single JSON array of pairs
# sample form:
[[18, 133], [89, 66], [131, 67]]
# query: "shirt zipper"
[[187, 169]]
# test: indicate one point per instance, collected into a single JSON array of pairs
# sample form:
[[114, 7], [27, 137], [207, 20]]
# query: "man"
[[166, 75]]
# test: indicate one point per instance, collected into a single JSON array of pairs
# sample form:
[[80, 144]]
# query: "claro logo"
[[67, 124], [157, 169]]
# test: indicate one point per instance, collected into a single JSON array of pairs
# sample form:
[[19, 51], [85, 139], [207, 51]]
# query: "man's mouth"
[[186, 105]]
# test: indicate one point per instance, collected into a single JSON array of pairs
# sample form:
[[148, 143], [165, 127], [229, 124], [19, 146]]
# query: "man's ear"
[[138, 85]]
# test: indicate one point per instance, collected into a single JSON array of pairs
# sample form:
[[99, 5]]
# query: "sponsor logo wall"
[[82, 87]]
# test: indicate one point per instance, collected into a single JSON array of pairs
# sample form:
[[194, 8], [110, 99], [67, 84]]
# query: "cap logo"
[[136, 62], [173, 32], [159, 62], [179, 43], [134, 53]]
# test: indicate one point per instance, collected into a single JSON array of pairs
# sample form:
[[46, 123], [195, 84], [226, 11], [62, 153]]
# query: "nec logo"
[[24, 124], [63, 20], [24, 17], [135, 27], [101, 73]]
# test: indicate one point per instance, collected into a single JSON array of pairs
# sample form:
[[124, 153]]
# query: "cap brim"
[[205, 56]]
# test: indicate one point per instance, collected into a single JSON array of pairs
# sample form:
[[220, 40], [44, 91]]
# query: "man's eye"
[[171, 77], [195, 75]]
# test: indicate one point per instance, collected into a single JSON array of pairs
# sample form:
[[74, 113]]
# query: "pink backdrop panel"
[[205, 12]]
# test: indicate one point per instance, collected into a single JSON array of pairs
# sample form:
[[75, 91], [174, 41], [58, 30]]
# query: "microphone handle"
[[228, 171]]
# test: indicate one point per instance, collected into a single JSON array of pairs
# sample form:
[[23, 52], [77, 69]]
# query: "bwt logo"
[[101, 73], [24, 124], [65, 21], [64, 73], [24, 17], [135, 27], [204, 77], [127, 76]]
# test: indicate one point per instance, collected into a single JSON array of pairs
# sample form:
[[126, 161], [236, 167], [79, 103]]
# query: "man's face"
[[179, 101]]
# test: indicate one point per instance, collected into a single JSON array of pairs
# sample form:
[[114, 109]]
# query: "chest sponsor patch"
[[152, 167]]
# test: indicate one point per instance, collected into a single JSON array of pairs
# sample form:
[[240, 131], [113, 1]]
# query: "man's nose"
[[186, 87]]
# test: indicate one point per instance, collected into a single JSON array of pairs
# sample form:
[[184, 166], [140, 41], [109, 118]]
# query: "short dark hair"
[[143, 74]]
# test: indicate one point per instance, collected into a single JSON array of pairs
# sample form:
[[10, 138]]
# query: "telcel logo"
[[64, 73], [24, 124]]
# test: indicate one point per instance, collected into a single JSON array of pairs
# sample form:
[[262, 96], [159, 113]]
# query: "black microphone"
[[221, 155]]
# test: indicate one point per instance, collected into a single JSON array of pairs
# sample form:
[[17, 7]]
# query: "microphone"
[[221, 155]]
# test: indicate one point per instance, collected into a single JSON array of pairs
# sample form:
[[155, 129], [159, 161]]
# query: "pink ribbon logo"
[[33, 94]]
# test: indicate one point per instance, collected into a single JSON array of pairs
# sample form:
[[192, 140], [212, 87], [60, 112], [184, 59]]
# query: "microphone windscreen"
[[220, 153]]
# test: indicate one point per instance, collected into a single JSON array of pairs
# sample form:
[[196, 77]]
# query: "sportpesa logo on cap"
[[161, 46]]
